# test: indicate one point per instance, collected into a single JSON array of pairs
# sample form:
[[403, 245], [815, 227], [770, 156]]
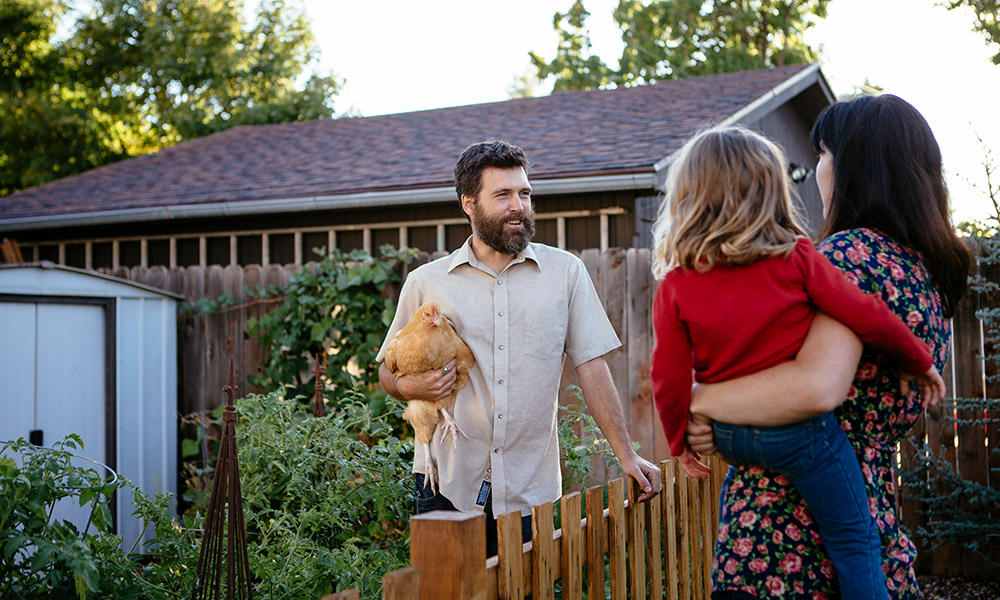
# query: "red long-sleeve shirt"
[[733, 321]]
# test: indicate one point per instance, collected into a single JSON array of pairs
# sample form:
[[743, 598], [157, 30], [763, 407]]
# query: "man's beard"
[[491, 230]]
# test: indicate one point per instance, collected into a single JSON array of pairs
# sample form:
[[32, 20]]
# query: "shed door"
[[52, 365]]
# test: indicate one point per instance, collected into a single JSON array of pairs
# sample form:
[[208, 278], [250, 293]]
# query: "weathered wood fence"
[[625, 285], [661, 548]]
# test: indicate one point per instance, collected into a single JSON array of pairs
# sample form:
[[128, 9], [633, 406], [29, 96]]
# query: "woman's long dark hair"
[[888, 177]]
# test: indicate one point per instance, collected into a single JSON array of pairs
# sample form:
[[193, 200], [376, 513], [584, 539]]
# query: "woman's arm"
[[816, 382]]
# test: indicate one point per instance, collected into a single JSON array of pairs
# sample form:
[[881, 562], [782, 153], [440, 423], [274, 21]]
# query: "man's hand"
[[433, 385], [646, 474]]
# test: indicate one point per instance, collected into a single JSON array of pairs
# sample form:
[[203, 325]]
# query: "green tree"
[[987, 19], [672, 39], [574, 68], [134, 76]]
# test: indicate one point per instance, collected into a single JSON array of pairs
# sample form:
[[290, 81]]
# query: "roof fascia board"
[[600, 183], [770, 100]]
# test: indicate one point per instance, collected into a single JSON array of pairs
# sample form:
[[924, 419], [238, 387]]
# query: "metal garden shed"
[[93, 355]]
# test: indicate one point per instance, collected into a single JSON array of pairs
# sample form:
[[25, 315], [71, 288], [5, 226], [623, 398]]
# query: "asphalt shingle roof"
[[564, 135]]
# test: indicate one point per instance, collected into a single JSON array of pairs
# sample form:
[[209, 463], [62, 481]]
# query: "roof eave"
[[359, 200]]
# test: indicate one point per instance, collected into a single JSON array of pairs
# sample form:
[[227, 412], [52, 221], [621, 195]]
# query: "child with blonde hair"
[[740, 286]]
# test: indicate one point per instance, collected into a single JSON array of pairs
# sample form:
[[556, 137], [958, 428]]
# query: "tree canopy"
[[987, 19], [133, 76], [671, 39]]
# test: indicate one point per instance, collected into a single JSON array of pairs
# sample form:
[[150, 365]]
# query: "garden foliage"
[[45, 557], [340, 306]]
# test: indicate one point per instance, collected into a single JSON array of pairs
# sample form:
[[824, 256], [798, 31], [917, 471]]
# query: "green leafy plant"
[[42, 557], [339, 307], [45, 557], [326, 500], [579, 451]]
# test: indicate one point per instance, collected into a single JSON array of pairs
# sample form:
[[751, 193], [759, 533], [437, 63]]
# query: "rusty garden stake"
[[225, 489], [319, 408]]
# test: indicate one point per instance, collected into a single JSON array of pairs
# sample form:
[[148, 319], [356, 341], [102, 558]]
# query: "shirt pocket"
[[545, 332]]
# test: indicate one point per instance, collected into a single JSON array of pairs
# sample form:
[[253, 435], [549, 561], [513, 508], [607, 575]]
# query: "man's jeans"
[[819, 461], [424, 501]]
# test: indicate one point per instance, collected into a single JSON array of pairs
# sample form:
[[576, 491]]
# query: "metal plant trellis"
[[225, 489]]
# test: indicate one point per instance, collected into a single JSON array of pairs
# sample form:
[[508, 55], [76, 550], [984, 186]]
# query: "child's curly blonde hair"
[[727, 201]]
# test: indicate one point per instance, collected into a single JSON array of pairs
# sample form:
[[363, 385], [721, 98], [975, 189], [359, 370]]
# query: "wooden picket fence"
[[625, 285], [661, 548]]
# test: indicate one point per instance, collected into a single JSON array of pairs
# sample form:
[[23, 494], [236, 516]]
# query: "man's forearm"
[[389, 383], [605, 406]]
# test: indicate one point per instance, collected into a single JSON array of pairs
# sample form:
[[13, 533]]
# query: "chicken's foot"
[[450, 427], [430, 469]]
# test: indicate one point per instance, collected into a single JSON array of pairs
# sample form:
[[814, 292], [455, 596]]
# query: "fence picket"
[[636, 541], [572, 546], [617, 534], [543, 552], [596, 538], [510, 575], [402, 584], [654, 554], [669, 503], [684, 541], [693, 525]]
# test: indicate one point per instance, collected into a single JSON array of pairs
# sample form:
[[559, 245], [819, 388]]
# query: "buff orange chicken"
[[429, 341]]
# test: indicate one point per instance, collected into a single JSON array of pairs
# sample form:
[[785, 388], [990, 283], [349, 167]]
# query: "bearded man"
[[522, 308]]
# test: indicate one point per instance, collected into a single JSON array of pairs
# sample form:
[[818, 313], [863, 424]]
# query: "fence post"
[[449, 548]]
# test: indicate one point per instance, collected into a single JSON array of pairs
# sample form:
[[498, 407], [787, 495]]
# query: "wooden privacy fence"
[[625, 285], [661, 548], [966, 437]]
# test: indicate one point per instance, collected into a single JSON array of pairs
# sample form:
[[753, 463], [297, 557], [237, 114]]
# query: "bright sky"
[[404, 56]]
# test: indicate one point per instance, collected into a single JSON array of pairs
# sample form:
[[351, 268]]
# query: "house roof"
[[334, 163]]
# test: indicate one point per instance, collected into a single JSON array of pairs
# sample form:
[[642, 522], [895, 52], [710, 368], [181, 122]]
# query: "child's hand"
[[930, 385], [699, 435], [693, 468]]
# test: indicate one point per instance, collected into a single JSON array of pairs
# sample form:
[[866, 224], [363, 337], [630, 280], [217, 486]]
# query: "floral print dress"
[[768, 544]]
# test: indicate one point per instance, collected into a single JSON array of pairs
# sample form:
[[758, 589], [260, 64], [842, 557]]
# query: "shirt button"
[[500, 382], [501, 346], [500, 416], [489, 469], [496, 451], [500, 313], [499, 282]]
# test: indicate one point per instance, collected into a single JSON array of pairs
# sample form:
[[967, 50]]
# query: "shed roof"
[[569, 135], [48, 279]]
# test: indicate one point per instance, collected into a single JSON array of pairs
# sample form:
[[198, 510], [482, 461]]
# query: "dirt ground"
[[944, 588]]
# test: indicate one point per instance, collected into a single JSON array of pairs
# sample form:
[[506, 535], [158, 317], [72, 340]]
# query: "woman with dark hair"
[[887, 227]]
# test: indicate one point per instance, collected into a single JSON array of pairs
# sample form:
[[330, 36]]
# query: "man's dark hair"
[[479, 156]]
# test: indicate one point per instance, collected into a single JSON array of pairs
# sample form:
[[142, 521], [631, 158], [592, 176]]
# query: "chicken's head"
[[431, 314]]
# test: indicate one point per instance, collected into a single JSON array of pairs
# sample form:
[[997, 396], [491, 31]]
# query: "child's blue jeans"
[[819, 461]]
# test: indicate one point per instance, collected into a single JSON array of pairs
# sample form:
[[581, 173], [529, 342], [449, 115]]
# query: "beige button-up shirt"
[[519, 325]]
